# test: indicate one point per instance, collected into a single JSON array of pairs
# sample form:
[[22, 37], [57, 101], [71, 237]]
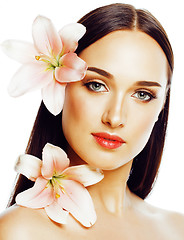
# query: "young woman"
[[114, 119]]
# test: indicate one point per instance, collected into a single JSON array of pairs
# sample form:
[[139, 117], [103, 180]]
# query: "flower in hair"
[[50, 63], [58, 188]]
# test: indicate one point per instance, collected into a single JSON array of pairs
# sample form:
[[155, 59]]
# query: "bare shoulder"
[[10, 222], [20, 223], [172, 222], [175, 221]]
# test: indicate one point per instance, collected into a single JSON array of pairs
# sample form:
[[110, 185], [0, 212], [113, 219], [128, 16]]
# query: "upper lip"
[[108, 136]]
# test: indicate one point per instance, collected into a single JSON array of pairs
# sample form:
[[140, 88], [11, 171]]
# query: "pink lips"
[[108, 141]]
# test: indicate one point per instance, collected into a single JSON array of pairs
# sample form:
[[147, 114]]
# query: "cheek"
[[74, 110], [143, 127], [73, 106], [79, 112], [146, 126]]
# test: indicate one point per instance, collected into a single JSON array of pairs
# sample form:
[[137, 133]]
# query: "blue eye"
[[144, 96], [96, 87]]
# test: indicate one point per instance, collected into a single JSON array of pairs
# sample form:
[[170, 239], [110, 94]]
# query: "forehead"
[[128, 54]]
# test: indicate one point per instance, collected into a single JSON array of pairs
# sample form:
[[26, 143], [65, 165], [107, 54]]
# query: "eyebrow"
[[101, 72], [147, 84], [110, 76]]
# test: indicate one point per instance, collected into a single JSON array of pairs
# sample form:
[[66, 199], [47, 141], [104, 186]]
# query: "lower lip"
[[107, 143]]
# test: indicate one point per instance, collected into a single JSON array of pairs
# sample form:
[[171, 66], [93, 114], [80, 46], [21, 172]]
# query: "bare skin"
[[120, 214], [112, 107]]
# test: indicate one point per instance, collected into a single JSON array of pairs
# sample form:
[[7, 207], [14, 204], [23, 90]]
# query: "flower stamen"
[[57, 195], [52, 61], [37, 58]]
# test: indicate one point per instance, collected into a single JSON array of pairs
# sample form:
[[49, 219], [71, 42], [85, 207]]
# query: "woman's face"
[[109, 115]]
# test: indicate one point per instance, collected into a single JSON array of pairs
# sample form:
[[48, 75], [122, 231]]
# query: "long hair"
[[48, 128]]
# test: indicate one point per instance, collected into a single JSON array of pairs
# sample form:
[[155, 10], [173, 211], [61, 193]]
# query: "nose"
[[115, 113]]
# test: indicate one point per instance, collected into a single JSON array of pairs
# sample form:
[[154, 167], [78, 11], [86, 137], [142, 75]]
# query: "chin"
[[108, 166]]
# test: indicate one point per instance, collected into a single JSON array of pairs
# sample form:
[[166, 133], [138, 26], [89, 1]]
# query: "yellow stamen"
[[37, 58], [57, 195]]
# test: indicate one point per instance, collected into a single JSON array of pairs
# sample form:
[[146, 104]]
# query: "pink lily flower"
[[58, 188], [50, 63]]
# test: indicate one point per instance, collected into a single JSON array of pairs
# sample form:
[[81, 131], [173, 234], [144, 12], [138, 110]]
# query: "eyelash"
[[90, 84], [149, 95]]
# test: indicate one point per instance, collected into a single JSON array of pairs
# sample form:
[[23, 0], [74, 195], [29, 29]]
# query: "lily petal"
[[29, 77], [84, 174], [56, 213], [73, 68], [53, 96], [39, 196], [70, 35], [77, 200], [45, 36], [29, 166], [20, 51], [54, 161]]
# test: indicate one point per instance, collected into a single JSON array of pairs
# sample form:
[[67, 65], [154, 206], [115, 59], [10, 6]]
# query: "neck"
[[112, 192]]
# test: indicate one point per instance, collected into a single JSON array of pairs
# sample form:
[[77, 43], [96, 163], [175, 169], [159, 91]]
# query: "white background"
[[17, 115]]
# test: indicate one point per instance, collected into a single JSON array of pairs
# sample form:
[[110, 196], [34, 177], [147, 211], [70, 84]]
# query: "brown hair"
[[48, 128]]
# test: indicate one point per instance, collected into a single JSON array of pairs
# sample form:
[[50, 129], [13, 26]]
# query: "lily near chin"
[[58, 188]]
